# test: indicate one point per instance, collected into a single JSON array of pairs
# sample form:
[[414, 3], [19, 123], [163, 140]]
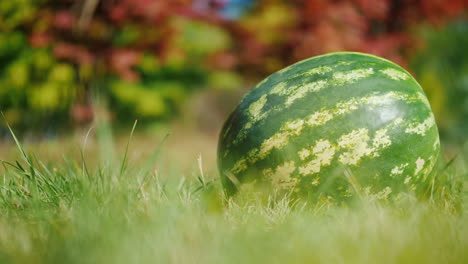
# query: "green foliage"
[[34, 85], [10, 44], [158, 95], [128, 34], [225, 80], [15, 12], [443, 70], [194, 36]]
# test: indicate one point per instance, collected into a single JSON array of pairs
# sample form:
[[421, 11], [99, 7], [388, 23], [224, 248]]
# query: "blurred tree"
[[146, 56], [282, 32]]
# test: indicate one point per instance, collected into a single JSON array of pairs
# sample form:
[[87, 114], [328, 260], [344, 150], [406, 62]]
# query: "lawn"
[[87, 200]]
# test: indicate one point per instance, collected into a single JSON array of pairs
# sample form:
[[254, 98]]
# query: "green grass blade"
[[124, 161]]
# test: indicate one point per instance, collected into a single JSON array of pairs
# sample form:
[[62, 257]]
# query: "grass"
[[123, 212]]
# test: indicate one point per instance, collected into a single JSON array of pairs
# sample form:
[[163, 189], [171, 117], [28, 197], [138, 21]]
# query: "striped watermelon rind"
[[327, 124]]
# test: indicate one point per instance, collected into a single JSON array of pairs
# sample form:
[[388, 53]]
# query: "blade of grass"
[[4, 162], [84, 167], [149, 164], [18, 144], [124, 161], [449, 163]]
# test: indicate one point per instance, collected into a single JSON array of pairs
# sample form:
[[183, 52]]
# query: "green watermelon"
[[331, 126]]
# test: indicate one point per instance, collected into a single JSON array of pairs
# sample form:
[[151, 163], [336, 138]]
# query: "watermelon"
[[331, 126]]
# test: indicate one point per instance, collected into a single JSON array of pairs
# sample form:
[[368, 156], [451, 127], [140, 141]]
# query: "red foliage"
[[75, 53], [85, 35], [374, 9], [122, 61], [381, 27], [436, 11], [39, 39], [82, 113], [64, 20]]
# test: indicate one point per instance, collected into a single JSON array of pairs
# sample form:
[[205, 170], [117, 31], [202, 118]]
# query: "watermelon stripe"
[[281, 176], [324, 152], [395, 74], [398, 169], [421, 128], [284, 71], [314, 71], [296, 92], [354, 143], [280, 139], [348, 77]]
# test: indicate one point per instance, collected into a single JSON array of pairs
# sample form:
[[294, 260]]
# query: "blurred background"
[[180, 66]]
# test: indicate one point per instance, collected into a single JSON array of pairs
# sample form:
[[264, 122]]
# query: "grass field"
[[103, 206]]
